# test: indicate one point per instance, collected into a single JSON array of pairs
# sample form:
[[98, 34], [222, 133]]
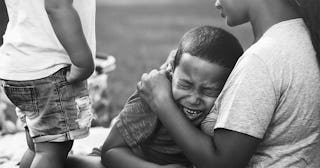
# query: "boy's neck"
[[269, 13]]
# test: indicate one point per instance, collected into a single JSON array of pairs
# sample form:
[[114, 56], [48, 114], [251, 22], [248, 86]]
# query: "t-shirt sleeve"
[[248, 99], [136, 122], [207, 125]]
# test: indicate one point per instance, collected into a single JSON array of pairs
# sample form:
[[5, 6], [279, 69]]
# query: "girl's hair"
[[212, 44], [310, 11]]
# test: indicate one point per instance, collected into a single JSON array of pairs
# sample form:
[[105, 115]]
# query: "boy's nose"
[[194, 100]]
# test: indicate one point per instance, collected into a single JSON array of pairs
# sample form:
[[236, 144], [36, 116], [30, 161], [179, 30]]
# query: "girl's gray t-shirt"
[[273, 94]]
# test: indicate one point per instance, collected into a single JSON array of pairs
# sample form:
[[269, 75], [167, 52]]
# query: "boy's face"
[[196, 83]]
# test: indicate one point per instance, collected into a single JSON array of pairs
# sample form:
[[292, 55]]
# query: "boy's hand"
[[154, 87], [77, 74]]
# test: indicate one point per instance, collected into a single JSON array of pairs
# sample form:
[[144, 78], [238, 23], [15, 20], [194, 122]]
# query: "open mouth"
[[190, 113]]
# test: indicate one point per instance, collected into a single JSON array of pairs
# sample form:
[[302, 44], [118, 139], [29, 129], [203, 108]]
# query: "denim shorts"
[[53, 109]]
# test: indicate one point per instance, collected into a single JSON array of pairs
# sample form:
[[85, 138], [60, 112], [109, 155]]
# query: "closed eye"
[[211, 92], [183, 84]]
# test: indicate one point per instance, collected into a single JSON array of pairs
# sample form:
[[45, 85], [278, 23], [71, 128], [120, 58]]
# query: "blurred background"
[[139, 34]]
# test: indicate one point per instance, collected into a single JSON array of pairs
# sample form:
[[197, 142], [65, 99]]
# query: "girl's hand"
[[155, 88], [168, 65]]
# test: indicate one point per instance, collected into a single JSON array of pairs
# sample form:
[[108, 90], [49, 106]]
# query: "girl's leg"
[[51, 154], [29, 154]]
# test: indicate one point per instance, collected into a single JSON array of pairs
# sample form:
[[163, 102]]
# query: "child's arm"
[[117, 154], [136, 123], [67, 26]]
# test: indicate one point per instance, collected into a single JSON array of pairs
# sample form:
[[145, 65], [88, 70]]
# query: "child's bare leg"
[[51, 154], [27, 159], [29, 154]]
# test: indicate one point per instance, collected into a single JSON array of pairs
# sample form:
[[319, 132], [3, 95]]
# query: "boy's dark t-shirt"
[[142, 130]]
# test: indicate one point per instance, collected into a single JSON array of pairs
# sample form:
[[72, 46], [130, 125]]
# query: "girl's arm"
[[67, 26], [225, 149]]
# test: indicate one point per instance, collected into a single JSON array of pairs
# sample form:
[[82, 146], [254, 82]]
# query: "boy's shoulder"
[[136, 107], [136, 100]]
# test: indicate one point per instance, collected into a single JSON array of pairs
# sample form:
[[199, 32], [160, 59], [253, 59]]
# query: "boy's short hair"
[[212, 44]]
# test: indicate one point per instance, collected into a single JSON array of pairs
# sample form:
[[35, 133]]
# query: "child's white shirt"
[[31, 50]]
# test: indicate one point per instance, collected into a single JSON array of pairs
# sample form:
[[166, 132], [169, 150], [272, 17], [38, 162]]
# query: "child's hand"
[[77, 74], [169, 62], [154, 87]]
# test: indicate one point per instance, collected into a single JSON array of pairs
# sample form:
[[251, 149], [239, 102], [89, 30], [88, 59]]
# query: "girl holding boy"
[[267, 114]]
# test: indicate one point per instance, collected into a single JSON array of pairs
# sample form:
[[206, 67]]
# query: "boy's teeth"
[[191, 111], [191, 114]]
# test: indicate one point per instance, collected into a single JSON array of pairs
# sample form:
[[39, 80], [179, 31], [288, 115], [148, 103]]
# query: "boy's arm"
[[67, 26], [117, 154], [135, 124]]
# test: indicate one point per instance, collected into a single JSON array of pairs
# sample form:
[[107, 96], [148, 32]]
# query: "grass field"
[[140, 36]]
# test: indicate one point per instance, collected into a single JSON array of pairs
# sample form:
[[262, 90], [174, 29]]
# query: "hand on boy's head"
[[169, 62], [154, 86]]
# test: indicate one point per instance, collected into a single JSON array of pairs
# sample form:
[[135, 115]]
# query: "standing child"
[[46, 57], [204, 59], [267, 114]]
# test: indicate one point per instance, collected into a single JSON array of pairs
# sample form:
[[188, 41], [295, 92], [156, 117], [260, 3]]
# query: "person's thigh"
[[59, 150], [51, 154], [77, 161]]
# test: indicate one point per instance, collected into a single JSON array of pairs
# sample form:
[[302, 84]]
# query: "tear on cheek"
[[84, 113]]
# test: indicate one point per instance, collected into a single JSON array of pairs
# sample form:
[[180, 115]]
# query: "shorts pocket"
[[24, 98], [64, 75]]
